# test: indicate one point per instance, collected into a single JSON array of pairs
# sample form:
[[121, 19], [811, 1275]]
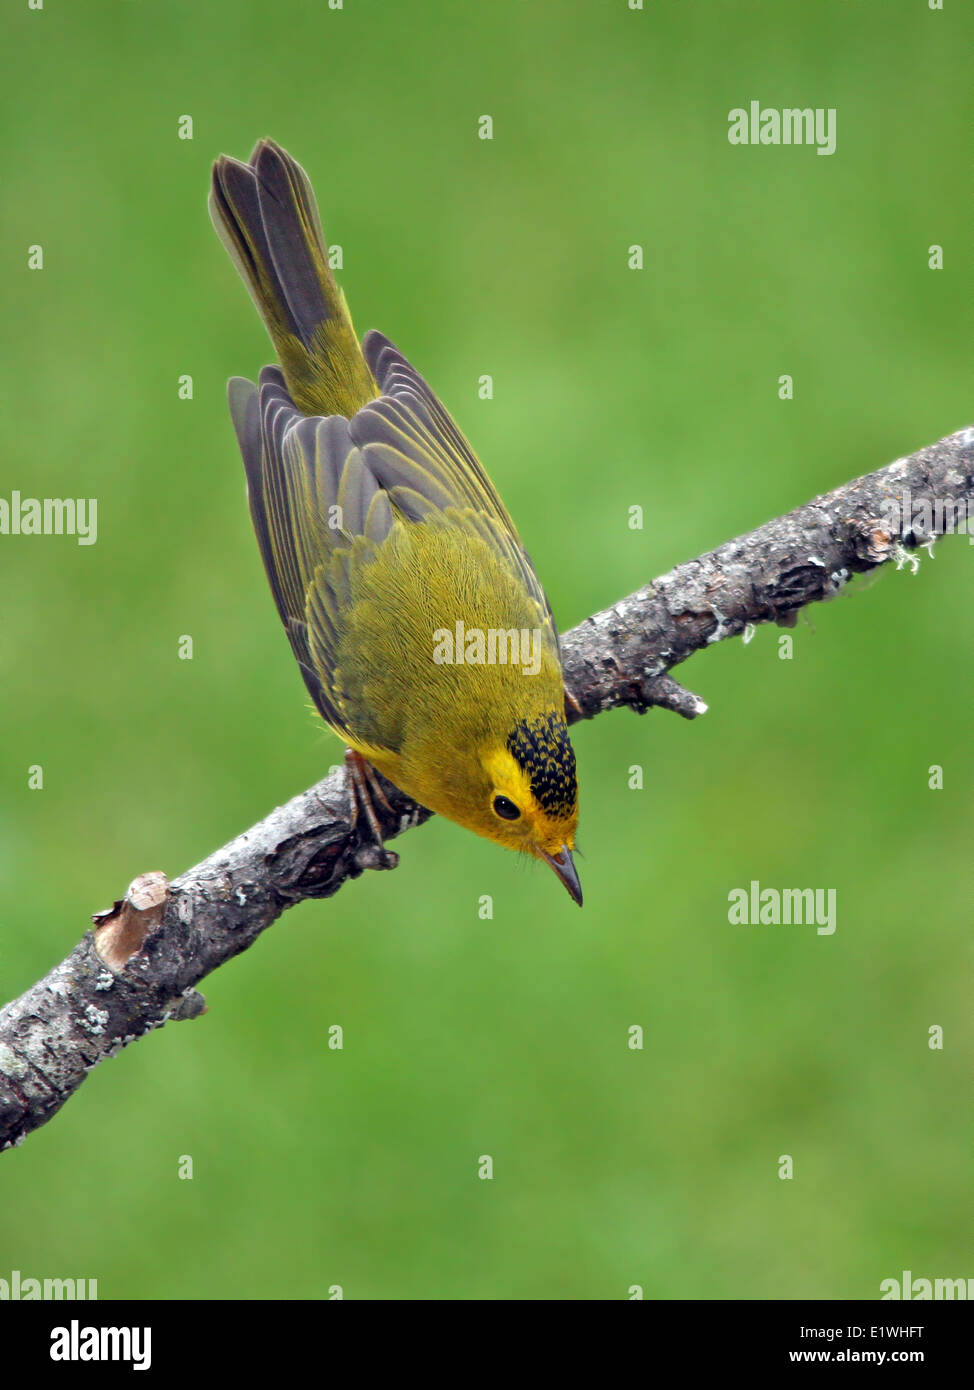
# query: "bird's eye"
[[505, 808]]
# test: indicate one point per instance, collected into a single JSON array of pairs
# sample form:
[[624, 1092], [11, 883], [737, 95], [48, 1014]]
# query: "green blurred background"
[[613, 387]]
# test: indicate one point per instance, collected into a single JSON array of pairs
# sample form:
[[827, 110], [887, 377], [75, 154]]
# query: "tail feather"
[[297, 244], [265, 214]]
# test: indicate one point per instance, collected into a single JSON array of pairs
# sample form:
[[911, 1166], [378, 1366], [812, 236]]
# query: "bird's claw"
[[363, 786], [375, 857]]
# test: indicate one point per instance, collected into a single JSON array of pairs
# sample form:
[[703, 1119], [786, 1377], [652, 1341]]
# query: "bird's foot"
[[365, 790]]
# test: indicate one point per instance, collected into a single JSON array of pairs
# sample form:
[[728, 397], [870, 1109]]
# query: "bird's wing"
[[325, 492], [299, 470], [409, 429]]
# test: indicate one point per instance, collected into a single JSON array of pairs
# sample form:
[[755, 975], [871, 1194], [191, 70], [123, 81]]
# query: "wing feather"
[[325, 494]]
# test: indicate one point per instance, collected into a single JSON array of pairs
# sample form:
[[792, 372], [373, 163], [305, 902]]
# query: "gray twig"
[[139, 967]]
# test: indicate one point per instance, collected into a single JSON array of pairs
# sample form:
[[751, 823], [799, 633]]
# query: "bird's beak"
[[564, 866]]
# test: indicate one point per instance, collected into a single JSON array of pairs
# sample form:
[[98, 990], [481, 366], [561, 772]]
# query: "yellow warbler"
[[413, 610]]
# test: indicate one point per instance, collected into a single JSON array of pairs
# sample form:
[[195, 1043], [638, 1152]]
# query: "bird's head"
[[531, 801]]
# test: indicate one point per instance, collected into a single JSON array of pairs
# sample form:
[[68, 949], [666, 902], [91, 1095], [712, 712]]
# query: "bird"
[[412, 608]]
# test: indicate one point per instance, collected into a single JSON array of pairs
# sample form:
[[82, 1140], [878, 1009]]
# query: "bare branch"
[[137, 970]]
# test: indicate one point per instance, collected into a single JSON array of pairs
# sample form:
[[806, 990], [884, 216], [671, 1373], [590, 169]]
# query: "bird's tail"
[[266, 216]]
